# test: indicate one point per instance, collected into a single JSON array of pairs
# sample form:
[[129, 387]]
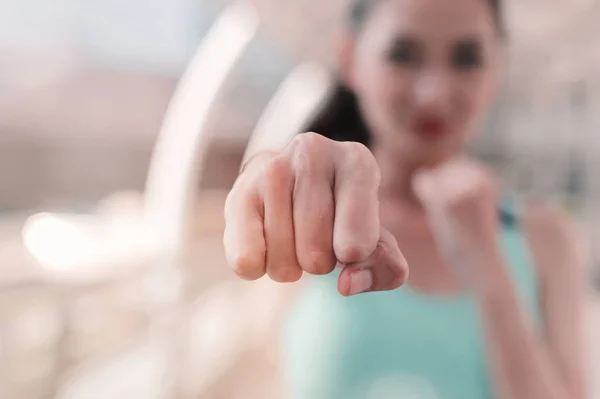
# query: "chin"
[[428, 154]]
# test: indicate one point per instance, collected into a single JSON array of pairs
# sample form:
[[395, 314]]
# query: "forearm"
[[520, 359]]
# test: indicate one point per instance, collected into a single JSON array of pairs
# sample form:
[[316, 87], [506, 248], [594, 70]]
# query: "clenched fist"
[[460, 198], [307, 209]]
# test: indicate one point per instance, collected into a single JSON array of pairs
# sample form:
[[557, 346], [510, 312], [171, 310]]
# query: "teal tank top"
[[398, 344]]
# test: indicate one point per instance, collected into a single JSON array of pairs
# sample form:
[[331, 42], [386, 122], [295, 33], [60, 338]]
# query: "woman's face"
[[424, 72]]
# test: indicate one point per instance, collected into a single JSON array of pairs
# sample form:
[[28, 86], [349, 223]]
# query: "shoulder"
[[557, 244]]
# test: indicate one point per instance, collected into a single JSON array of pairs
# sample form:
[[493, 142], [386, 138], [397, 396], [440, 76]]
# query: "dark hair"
[[341, 118]]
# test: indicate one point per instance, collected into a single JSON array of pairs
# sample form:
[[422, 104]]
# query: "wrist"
[[495, 279], [482, 238]]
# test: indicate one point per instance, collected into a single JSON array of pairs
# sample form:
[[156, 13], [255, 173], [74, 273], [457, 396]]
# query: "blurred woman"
[[492, 308]]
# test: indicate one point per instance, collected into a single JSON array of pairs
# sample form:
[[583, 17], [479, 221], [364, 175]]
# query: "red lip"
[[430, 127]]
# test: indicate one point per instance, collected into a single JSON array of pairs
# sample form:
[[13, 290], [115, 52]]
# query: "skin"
[[318, 203]]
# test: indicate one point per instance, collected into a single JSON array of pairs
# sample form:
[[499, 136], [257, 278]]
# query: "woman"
[[493, 304]]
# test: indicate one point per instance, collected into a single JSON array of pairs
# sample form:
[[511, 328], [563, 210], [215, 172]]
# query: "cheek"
[[384, 92], [475, 94], [399, 87]]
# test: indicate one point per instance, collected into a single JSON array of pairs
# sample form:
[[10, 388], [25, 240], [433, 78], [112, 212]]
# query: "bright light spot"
[[56, 243], [87, 245], [34, 328]]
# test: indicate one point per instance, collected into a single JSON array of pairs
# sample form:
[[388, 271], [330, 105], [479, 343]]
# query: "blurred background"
[[122, 127]]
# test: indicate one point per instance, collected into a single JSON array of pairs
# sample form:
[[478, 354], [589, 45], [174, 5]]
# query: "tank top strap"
[[518, 253], [511, 210]]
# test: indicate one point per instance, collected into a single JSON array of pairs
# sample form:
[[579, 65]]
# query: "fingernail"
[[361, 281]]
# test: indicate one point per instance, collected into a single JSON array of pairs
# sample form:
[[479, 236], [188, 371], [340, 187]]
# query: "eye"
[[404, 52], [467, 55]]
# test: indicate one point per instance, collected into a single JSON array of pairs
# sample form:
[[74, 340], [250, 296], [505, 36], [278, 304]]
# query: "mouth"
[[430, 127]]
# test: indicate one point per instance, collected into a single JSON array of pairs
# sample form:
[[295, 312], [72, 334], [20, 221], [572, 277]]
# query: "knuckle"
[[307, 164], [308, 147], [247, 267], [285, 274], [276, 173], [310, 155], [318, 263], [400, 276], [352, 253], [359, 157], [309, 141], [357, 153]]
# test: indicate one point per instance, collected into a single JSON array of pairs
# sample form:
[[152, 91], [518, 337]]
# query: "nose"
[[433, 92]]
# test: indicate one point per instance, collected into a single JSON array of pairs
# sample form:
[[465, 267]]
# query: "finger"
[[314, 213], [386, 269], [426, 185], [278, 185], [356, 226], [243, 239], [444, 184]]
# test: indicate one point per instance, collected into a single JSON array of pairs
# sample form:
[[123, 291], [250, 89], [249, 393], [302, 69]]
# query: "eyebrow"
[[412, 41], [405, 40], [469, 41]]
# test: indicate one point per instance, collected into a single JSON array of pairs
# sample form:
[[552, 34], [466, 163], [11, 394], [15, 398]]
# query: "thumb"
[[384, 270]]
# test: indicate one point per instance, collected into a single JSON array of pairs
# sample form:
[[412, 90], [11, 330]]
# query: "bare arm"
[[529, 363], [461, 200]]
